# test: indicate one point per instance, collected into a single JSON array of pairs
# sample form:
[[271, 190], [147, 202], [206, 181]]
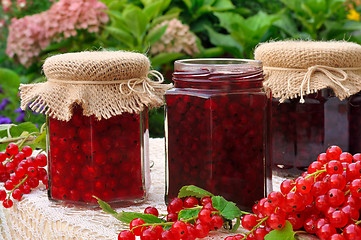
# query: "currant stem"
[[18, 185], [255, 227], [358, 222], [318, 172]]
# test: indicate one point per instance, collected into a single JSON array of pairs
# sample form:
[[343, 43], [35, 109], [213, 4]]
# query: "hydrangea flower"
[[177, 38], [31, 34]]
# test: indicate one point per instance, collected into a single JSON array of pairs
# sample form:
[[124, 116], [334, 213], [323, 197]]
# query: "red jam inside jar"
[[217, 118], [300, 131], [104, 158]]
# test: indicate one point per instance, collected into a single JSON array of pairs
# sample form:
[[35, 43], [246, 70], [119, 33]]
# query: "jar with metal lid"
[[217, 119], [97, 107], [311, 83]]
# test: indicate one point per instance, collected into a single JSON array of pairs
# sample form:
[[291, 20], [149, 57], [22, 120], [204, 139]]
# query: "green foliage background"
[[224, 28]]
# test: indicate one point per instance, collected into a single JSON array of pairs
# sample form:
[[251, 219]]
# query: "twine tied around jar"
[[329, 72], [104, 84], [294, 68]]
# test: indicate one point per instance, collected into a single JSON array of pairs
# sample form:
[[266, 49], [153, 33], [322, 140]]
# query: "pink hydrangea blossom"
[[177, 38], [29, 35]]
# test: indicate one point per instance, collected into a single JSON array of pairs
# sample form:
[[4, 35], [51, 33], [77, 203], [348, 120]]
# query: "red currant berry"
[[310, 225], [205, 215], [202, 230], [319, 188], [126, 235], [167, 235], [152, 211], [322, 158], [337, 237], [338, 219], [333, 153], [9, 185], [20, 172], [249, 221], [334, 167], [17, 194], [41, 160], [304, 185], [206, 200], [336, 181], [276, 221], [286, 186], [216, 222], [8, 203], [134, 226], [2, 195], [172, 217], [3, 157], [357, 157], [296, 219], [346, 157], [149, 234], [326, 231], [314, 167], [27, 151], [180, 227], [351, 212], [19, 157], [175, 205], [190, 202], [335, 197], [32, 172], [352, 232], [355, 187], [12, 149], [276, 198]]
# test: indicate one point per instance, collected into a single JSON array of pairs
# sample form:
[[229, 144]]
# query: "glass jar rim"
[[218, 61]]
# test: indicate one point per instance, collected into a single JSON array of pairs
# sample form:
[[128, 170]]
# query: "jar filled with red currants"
[[97, 107], [312, 83], [217, 122]]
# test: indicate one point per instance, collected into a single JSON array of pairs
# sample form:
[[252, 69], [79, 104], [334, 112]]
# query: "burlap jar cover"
[[105, 84], [295, 68]]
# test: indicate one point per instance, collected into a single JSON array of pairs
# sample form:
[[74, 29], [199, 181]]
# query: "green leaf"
[[127, 217], [223, 5], [124, 37], [193, 191], [228, 209], [226, 42], [188, 213], [286, 233], [155, 34], [164, 58], [29, 127], [136, 21], [39, 142], [105, 206]]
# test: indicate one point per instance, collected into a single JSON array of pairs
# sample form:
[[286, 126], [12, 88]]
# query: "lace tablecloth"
[[37, 218]]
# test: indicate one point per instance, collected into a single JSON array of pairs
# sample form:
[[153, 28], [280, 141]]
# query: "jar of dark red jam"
[[97, 124], [105, 158], [217, 120], [300, 131]]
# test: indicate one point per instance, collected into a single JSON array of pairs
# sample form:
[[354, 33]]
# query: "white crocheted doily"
[[37, 218]]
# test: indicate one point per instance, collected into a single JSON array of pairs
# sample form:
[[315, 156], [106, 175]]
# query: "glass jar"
[[301, 131], [355, 123], [217, 120], [105, 158]]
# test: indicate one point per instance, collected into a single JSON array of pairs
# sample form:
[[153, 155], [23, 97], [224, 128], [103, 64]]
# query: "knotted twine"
[[105, 84], [297, 68]]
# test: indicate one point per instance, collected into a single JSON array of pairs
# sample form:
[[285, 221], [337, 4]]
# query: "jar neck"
[[218, 74]]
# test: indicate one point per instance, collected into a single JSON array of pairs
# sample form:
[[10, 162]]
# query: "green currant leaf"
[[228, 209], [193, 191], [127, 217], [286, 233], [39, 142], [236, 225], [105, 206], [29, 127], [188, 213]]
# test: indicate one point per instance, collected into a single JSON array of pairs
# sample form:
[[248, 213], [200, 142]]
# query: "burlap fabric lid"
[[296, 68], [105, 84]]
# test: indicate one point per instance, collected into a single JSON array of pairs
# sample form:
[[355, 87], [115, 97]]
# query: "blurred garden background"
[[165, 30]]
